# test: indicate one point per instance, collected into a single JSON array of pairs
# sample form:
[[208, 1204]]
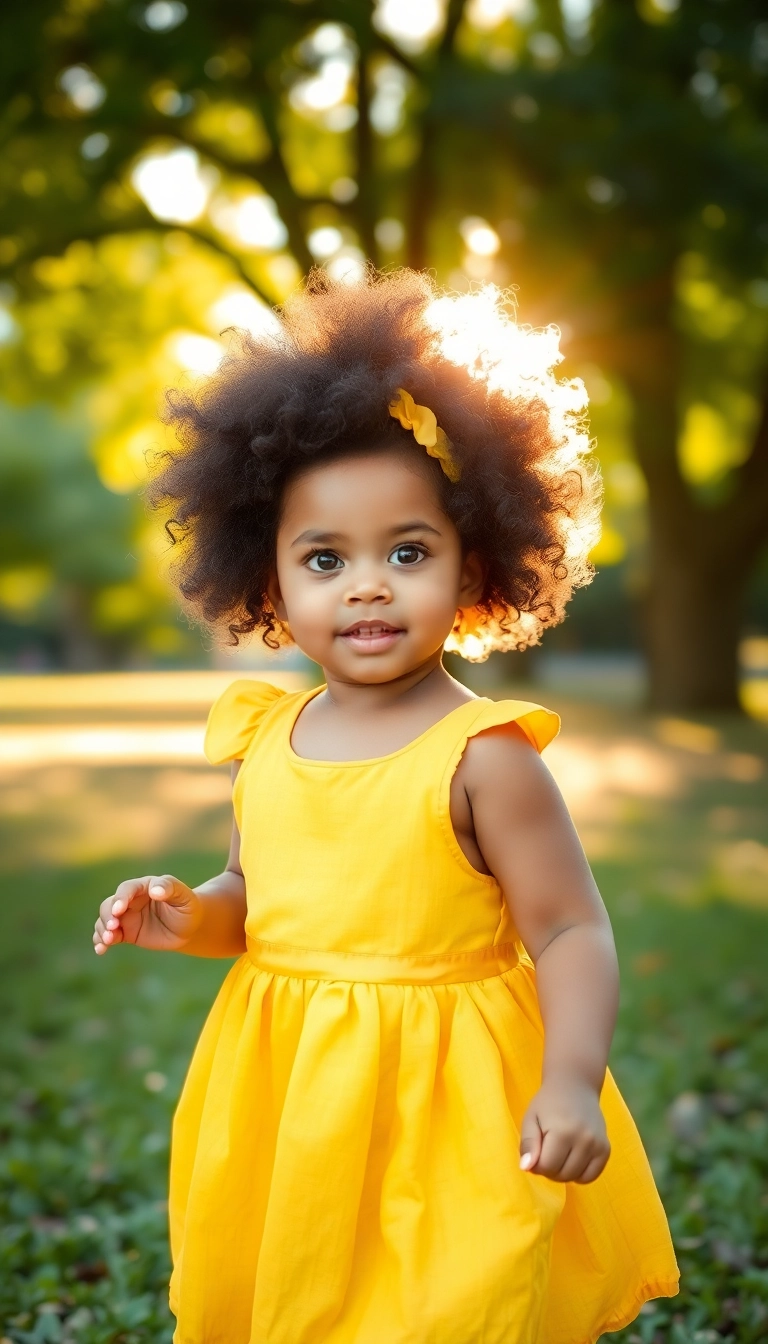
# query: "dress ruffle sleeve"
[[540, 725], [234, 718]]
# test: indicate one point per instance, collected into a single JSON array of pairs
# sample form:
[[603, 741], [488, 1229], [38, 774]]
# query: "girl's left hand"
[[563, 1133]]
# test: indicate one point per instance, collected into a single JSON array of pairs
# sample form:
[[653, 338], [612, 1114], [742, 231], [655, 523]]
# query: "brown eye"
[[324, 562], [407, 555]]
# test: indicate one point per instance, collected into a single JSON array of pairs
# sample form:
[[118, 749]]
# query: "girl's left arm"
[[528, 840]]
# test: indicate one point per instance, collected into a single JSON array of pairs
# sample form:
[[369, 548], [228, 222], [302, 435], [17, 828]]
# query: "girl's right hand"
[[160, 913]]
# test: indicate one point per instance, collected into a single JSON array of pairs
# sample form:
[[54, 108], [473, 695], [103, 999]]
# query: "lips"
[[371, 629], [371, 636]]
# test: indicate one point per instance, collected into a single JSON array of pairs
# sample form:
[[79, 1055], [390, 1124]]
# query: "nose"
[[367, 586]]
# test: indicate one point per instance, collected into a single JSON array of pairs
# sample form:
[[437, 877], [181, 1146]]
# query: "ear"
[[472, 582], [276, 598]]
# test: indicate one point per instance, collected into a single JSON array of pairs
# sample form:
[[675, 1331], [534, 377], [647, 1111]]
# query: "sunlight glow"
[[252, 221], [489, 14], [334, 54], [8, 327], [390, 88], [390, 234], [577, 16], [94, 145], [108, 744], [324, 242], [479, 237], [129, 690], [81, 86], [323, 90], [164, 15], [174, 186], [239, 307], [196, 354], [411, 23]]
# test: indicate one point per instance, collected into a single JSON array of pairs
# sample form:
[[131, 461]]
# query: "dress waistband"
[[444, 969]]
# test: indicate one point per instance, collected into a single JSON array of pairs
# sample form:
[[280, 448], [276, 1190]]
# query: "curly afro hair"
[[319, 385]]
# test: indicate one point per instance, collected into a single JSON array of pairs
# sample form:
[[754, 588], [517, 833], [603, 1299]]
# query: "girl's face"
[[370, 572]]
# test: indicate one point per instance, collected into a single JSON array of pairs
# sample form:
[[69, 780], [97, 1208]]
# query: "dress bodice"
[[359, 857]]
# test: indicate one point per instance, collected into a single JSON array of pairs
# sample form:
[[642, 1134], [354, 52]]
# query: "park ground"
[[673, 816]]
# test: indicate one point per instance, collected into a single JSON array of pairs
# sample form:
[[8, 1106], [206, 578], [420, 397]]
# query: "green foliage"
[[72, 568]]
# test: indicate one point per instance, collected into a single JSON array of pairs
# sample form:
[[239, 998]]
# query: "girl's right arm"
[[164, 914]]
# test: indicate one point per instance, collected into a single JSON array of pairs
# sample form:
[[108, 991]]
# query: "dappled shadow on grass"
[[94, 1053]]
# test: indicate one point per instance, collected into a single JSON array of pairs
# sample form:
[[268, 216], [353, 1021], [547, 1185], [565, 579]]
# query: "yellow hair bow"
[[426, 431]]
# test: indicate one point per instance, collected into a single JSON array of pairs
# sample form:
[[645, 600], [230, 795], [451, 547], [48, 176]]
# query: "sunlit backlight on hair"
[[477, 331], [348, 265], [174, 186]]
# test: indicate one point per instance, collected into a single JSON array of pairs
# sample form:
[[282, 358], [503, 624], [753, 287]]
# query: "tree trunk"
[[698, 568], [79, 648], [693, 622], [700, 556]]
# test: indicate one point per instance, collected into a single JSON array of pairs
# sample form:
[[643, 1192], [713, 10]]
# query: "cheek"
[[306, 601], [436, 592]]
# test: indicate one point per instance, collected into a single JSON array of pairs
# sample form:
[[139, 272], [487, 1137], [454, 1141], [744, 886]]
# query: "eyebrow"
[[328, 538], [317, 538], [415, 525]]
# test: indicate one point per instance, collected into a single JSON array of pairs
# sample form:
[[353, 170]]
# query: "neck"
[[358, 697]]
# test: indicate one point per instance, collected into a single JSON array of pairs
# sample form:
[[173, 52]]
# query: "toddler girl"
[[393, 1129]]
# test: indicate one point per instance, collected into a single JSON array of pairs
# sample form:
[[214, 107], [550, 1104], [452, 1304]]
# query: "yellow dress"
[[345, 1164]]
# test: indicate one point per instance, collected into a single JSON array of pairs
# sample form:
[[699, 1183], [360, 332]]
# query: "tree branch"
[[366, 176], [149, 224], [452, 22], [281, 187]]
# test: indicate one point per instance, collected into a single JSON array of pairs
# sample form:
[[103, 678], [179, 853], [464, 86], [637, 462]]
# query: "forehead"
[[372, 489]]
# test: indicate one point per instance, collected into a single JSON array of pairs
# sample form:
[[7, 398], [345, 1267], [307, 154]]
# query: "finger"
[[576, 1161], [126, 893], [530, 1142], [554, 1150], [166, 888], [593, 1169]]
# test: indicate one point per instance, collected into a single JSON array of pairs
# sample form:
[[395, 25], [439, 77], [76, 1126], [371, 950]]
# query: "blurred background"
[[172, 169]]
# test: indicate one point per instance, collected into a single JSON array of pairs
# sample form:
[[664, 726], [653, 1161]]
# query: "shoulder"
[[234, 717], [510, 721], [502, 755]]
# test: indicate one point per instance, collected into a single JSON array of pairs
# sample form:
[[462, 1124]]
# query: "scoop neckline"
[[367, 760]]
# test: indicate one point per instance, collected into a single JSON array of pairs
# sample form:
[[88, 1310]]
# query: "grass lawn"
[[93, 1051]]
